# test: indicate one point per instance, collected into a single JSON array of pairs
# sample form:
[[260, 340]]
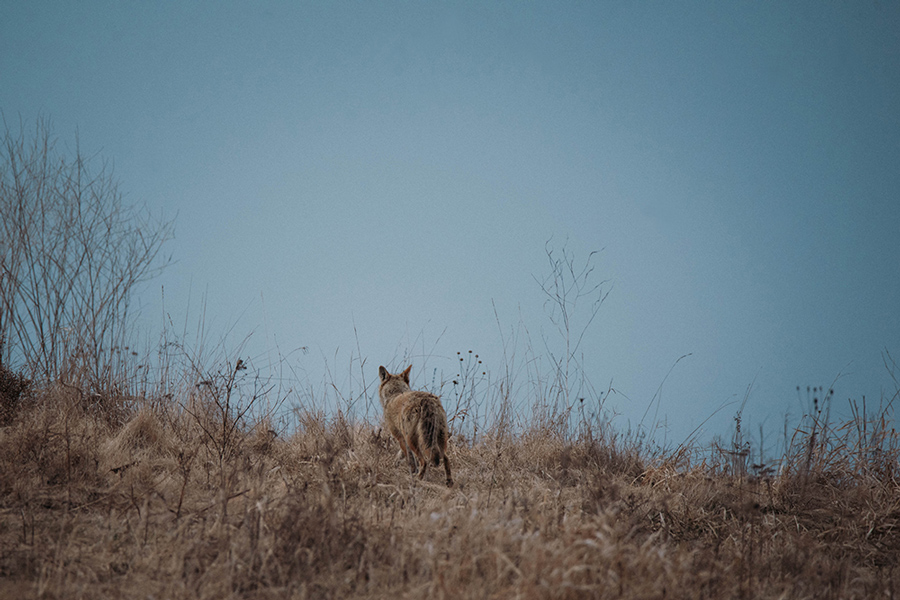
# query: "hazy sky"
[[380, 176]]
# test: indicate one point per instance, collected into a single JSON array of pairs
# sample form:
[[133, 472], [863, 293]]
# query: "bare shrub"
[[72, 253], [566, 288]]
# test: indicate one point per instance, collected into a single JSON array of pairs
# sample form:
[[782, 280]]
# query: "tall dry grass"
[[152, 500]]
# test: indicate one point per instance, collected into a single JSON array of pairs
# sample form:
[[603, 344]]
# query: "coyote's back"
[[417, 420]]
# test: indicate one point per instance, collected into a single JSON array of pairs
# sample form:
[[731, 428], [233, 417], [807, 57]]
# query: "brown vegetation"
[[160, 505]]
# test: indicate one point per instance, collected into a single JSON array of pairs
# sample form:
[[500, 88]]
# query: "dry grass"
[[151, 505]]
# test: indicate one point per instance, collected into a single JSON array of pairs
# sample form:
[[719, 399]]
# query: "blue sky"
[[381, 176]]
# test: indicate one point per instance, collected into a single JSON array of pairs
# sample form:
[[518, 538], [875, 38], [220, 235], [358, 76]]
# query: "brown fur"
[[417, 420]]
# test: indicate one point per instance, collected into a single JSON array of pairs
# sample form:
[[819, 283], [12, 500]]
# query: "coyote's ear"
[[383, 374], [406, 373]]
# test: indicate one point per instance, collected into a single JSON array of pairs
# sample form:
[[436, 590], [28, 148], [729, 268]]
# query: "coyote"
[[417, 420]]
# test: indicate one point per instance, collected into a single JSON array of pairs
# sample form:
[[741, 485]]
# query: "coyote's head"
[[392, 385]]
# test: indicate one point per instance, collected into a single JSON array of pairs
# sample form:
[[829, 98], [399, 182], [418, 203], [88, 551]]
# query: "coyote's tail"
[[434, 433]]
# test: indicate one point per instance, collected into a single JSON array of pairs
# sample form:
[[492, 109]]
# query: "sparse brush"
[[72, 254]]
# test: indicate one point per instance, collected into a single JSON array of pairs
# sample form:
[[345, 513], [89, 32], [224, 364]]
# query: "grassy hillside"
[[121, 497]]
